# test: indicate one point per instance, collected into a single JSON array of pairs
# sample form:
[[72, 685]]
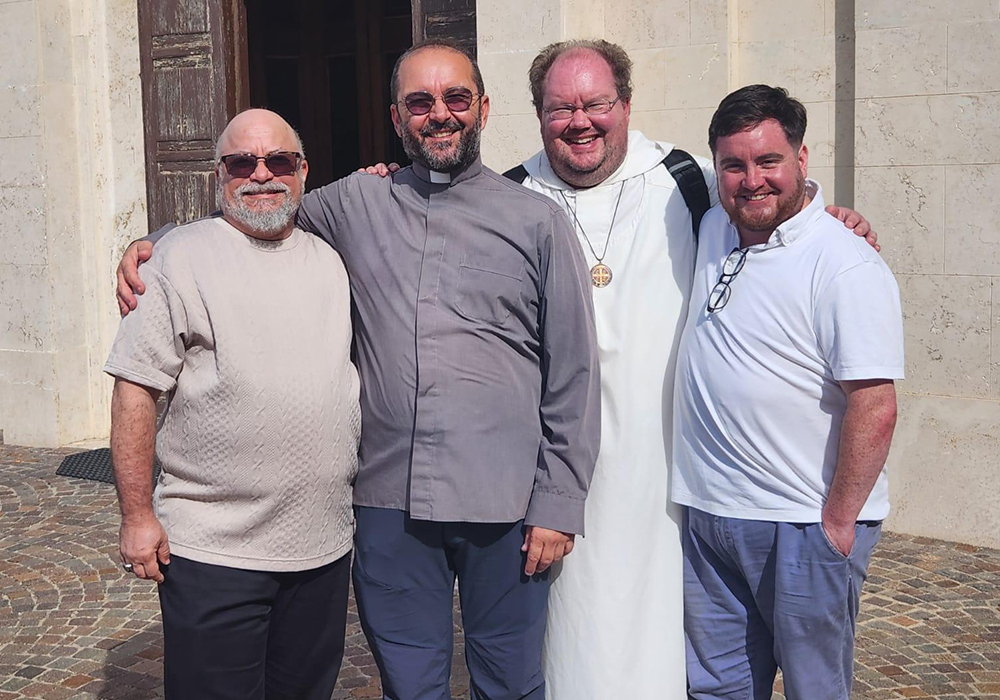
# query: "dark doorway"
[[323, 64], [325, 67]]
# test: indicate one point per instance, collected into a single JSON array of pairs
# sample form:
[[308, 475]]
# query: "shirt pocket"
[[489, 287]]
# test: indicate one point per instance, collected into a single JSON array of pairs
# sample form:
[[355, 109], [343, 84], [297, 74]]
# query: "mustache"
[[432, 126], [261, 188]]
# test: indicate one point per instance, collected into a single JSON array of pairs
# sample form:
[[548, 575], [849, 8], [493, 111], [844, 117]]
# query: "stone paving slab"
[[73, 626]]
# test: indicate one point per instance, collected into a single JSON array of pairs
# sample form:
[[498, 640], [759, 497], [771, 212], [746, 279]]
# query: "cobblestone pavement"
[[72, 625]]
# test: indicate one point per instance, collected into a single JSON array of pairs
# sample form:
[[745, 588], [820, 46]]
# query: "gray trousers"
[[759, 596]]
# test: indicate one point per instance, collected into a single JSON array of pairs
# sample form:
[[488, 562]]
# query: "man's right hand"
[[129, 283], [380, 169], [142, 542]]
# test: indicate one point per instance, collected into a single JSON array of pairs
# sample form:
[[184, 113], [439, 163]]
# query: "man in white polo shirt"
[[784, 411]]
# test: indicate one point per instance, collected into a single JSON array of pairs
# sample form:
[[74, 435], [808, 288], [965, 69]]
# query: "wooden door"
[[192, 55], [445, 19], [325, 67]]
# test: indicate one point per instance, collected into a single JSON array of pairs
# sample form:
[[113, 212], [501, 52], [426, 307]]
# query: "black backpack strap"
[[691, 182], [518, 174]]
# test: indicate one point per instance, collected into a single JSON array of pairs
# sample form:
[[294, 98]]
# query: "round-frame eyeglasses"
[[723, 290], [591, 109]]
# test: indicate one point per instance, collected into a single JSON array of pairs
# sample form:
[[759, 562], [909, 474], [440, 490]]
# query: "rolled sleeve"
[[149, 347], [570, 404]]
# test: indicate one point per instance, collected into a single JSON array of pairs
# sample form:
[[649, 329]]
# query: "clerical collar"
[[438, 178]]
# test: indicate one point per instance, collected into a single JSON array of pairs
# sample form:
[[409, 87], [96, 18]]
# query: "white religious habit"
[[615, 623]]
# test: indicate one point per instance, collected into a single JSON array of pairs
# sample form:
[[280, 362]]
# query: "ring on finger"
[[129, 568]]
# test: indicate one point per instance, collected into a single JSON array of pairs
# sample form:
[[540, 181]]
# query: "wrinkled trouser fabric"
[[759, 596], [404, 582], [234, 634]]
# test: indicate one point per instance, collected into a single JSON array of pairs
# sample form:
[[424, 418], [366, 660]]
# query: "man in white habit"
[[615, 617]]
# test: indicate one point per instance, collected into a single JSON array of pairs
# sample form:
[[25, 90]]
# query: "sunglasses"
[[420, 103], [279, 163]]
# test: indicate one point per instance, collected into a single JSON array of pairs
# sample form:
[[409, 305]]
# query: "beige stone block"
[[506, 78], [905, 206], [27, 397], [684, 128], [944, 469], [903, 61], [645, 24], [768, 62], [928, 130], [994, 329], [972, 220], [22, 226], [19, 59], [24, 307], [946, 320], [20, 164], [59, 42], [82, 410], [797, 18], [650, 76], [584, 18], [19, 111], [697, 76], [827, 178], [508, 140], [819, 138], [517, 25], [804, 67], [709, 22], [882, 14], [973, 56]]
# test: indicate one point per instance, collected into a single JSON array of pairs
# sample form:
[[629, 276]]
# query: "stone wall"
[[71, 192], [904, 124]]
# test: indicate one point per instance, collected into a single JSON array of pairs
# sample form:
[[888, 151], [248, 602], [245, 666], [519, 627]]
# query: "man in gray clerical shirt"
[[480, 391]]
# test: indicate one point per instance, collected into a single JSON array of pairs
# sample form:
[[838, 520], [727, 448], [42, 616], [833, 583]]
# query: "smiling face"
[[583, 150], [261, 205], [440, 140], [761, 179]]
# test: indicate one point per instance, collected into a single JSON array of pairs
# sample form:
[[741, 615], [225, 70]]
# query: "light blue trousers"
[[759, 596]]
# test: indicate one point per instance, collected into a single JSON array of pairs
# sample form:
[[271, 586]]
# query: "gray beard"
[[264, 223], [466, 153]]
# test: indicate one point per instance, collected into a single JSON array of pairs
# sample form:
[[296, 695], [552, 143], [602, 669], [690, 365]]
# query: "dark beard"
[[466, 153], [786, 209]]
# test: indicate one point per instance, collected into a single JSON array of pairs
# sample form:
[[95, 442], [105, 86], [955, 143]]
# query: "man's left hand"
[[544, 547], [857, 223], [841, 537]]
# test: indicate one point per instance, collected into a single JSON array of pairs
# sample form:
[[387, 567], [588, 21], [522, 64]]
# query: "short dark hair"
[[749, 106], [477, 76], [613, 54]]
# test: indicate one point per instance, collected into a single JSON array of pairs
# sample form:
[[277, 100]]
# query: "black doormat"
[[94, 465]]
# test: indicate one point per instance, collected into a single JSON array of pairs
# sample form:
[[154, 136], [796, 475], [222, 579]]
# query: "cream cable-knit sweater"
[[259, 440]]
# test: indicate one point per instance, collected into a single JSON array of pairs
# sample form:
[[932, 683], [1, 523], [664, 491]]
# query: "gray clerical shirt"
[[474, 339]]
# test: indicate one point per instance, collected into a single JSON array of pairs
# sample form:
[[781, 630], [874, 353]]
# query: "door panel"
[[192, 85]]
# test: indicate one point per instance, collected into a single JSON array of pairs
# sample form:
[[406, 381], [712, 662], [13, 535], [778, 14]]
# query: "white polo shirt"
[[757, 402]]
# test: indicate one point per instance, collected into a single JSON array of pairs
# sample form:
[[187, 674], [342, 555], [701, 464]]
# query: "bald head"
[[255, 124]]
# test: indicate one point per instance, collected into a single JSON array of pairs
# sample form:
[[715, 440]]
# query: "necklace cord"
[[614, 216]]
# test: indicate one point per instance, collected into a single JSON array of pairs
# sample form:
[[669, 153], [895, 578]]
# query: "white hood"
[[643, 155]]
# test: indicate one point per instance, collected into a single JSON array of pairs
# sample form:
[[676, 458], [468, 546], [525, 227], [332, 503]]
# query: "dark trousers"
[[404, 581], [761, 595], [252, 635]]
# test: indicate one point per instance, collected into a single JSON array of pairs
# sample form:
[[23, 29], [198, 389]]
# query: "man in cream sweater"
[[246, 324]]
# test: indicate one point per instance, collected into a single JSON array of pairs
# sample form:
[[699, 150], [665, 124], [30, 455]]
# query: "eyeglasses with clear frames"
[[722, 290], [591, 109]]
